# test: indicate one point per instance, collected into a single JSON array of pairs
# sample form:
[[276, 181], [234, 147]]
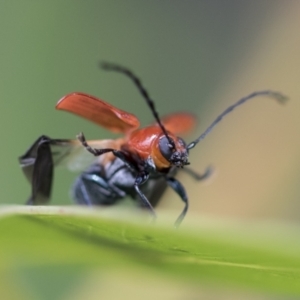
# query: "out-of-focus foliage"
[[57, 253]]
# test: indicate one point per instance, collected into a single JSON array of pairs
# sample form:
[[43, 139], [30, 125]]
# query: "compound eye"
[[165, 149]]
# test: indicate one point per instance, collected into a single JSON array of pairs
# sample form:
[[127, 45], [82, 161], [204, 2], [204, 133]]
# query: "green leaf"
[[65, 253]]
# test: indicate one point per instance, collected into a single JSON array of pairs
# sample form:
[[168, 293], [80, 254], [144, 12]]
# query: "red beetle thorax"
[[145, 142]]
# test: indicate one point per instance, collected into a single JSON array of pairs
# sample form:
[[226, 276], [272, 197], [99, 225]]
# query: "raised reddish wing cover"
[[99, 112], [180, 123]]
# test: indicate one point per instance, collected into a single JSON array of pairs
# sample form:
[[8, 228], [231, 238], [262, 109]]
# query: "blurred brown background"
[[199, 56]]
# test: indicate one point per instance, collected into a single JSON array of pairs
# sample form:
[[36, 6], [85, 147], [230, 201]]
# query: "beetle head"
[[176, 153]]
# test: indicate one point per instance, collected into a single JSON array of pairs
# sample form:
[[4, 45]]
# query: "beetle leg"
[[141, 178], [179, 189], [207, 173], [98, 152]]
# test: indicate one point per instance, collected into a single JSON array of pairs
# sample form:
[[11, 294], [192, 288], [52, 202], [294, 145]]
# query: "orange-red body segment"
[[144, 143], [140, 144], [180, 123], [99, 112]]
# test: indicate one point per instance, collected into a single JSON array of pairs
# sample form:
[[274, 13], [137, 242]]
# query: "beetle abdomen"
[[106, 185]]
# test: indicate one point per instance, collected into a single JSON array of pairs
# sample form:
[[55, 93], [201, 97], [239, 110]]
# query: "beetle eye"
[[165, 149]]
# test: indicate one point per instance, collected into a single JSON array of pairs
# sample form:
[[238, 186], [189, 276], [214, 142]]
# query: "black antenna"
[[143, 91], [277, 96]]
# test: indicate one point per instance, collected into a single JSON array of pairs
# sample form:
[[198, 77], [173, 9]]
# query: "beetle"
[[141, 164]]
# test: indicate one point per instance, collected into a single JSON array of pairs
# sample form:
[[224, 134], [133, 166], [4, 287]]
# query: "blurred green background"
[[199, 56]]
